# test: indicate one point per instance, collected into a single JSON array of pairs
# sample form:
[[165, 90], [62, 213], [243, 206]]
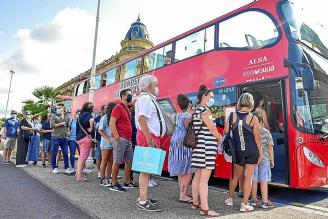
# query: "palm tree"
[[46, 95], [34, 107]]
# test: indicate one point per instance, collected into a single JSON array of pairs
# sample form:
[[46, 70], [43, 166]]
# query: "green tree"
[[46, 95], [34, 107]]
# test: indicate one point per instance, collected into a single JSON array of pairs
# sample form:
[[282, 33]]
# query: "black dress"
[[23, 139]]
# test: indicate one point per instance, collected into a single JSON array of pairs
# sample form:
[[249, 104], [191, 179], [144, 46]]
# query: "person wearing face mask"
[[34, 144], [120, 124], [150, 130], [10, 136], [204, 154], [23, 139], [59, 123]]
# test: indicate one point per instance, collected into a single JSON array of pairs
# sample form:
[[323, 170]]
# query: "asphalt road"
[[22, 196]]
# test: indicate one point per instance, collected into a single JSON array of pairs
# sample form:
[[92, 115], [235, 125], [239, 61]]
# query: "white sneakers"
[[229, 202], [87, 171], [69, 171], [246, 208], [55, 171], [152, 183], [243, 207]]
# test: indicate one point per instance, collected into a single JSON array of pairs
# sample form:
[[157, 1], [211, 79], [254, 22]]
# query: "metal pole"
[[89, 161], [93, 68], [11, 78]]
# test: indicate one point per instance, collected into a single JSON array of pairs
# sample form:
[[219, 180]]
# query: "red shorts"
[[142, 141]]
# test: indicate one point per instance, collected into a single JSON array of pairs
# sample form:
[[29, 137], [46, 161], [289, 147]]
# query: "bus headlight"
[[312, 157]]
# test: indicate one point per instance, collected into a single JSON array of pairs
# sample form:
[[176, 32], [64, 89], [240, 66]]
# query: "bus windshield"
[[304, 29], [310, 108]]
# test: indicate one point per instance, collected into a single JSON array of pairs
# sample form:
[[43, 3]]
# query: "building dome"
[[137, 31]]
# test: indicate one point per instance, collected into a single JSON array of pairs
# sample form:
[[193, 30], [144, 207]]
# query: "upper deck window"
[[248, 30], [131, 68], [195, 44], [111, 75], [98, 81], [158, 58]]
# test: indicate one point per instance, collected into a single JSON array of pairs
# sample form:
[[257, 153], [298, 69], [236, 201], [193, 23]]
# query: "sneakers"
[[44, 164], [69, 171], [129, 186], [6, 162], [34, 163], [55, 171], [252, 202], [151, 201], [87, 171], [117, 188], [105, 182], [246, 208], [266, 205], [21, 165], [147, 206], [152, 181], [240, 194], [229, 202]]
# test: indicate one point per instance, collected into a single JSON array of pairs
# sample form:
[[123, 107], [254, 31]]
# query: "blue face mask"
[[211, 102]]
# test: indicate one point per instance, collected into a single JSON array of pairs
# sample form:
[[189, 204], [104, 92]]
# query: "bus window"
[[86, 86], [158, 58], [104, 80], [131, 69], [111, 75], [195, 44], [167, 106], [79, 89], [251, 29], [98, 81]]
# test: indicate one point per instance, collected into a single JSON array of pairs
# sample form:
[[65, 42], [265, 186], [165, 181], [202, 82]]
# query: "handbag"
[[170, 120], [228, 143], [92, 141], [148, 160], [190, 138]]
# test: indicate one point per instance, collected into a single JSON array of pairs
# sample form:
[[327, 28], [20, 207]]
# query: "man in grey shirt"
[[59, 122]]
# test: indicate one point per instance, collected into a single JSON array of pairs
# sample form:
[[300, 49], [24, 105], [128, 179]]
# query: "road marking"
[[309, 206]]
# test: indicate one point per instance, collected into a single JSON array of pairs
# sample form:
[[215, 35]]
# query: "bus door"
[[273, 106]]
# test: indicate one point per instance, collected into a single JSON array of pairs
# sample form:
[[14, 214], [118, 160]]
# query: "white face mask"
[[59, 111], [14, 116], [156, 91]]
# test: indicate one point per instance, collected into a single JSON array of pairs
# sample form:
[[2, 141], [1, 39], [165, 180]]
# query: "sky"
[[48, 42]]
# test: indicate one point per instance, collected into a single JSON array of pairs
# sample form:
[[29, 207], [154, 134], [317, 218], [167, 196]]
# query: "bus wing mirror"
[[307, 78], [304, 71]]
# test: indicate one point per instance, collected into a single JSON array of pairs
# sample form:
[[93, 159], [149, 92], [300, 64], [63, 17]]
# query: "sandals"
[[81, 179], [209, 213], [188, 201], [195, 206]]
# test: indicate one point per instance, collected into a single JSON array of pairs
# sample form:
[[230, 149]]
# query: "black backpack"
[[228, 143]]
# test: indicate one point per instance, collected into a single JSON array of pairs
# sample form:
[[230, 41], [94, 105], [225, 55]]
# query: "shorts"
[[122, 151], [97, 152], [262, 172], [243, 158], [85, 147], [10, 143], [46, 146]]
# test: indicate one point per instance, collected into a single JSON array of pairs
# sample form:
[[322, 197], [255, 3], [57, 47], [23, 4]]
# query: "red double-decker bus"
[[265, 46]]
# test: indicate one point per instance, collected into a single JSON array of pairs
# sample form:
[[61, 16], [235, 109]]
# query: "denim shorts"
[[46, 145], [262, 172], [97, 152]]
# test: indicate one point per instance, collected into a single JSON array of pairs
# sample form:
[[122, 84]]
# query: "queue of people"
[[121, 122]]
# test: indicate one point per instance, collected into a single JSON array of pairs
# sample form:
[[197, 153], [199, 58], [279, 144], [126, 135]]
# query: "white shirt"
[[145, 107]]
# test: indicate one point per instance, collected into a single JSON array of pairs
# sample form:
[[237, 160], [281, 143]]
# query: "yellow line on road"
[[309, 206]]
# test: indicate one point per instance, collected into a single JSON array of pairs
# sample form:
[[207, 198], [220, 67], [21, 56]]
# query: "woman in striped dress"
[[204, 154], [179, 155]]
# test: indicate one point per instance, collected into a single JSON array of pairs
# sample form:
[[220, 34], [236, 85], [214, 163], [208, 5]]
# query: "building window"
[[195, 44], [249, 30], [131, 69], [158, 58]]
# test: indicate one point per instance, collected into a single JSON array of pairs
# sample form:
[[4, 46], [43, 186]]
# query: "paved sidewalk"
[[100, 202], [22, 196]]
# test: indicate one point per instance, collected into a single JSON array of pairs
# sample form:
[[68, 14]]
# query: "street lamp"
[[89, 161], [11, 78]]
